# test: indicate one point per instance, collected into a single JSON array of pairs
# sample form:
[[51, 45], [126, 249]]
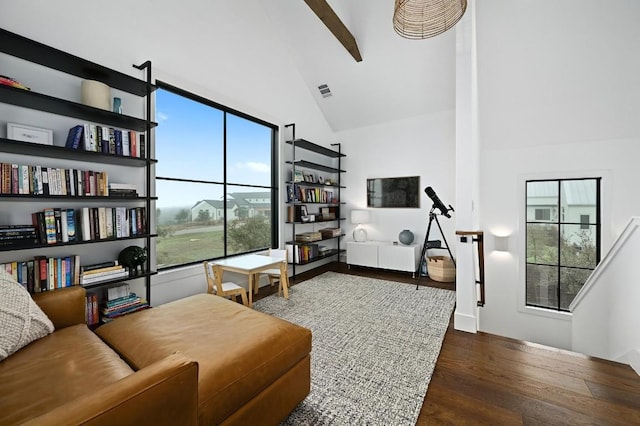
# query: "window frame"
[[274, 186], [559, 223]]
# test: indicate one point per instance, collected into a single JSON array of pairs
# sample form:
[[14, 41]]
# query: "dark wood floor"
[[487, 379]]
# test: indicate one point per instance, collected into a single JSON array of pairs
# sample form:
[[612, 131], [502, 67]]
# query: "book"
[[105, 276], [133, 143], [50, 225], [118, 141], [71, 224], [105, 269], [104, 140], [111, 137], [126, 148], [142, 147], [64, 227], [98, 265], [114, 294], [102, 223], [74, 137], [6, 178], [86, 226], [91, 143], [45, 181]]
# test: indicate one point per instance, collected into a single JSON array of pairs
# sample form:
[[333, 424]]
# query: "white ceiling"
[[397, 78]]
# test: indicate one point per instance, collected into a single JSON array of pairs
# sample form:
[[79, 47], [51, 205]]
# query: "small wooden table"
[[252, 264]]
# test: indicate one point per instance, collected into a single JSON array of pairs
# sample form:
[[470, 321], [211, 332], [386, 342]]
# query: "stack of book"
[[306, 237], [18, 236], [121, 301], [107, 271], [122, 190]]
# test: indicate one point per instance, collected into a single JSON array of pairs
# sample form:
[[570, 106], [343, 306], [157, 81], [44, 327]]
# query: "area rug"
[[375, 344]]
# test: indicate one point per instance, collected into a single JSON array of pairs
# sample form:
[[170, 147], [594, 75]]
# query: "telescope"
[[444, 210], [437, 203]]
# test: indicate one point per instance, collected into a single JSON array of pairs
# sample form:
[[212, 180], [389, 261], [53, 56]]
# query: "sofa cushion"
[[64, 365], [241, 352], [21, 320]]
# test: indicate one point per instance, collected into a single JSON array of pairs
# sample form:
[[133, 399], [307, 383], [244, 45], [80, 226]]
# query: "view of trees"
[[573, 257], [182, 240]]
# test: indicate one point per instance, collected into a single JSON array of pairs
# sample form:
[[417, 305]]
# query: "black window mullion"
[[224, 178], [560, 222]]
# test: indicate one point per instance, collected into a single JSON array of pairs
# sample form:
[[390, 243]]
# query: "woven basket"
[[441, 268]]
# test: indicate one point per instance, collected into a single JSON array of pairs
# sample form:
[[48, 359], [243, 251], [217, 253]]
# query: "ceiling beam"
[[322, 9]]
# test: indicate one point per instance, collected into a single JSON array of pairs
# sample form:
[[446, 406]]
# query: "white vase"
[[96, 94]]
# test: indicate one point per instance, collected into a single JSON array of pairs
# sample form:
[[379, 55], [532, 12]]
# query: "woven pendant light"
[[419, 19]]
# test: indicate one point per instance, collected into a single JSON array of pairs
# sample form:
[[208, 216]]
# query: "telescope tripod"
[[432, 216]]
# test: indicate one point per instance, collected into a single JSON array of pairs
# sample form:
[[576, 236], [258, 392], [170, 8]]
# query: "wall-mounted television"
[[394, 192]]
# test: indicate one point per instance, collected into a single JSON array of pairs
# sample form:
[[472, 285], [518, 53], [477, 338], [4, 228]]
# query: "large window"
[[215, 180], [563, 239]]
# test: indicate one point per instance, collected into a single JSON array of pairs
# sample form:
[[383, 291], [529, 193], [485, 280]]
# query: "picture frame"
[[298, 176], [31, 134]]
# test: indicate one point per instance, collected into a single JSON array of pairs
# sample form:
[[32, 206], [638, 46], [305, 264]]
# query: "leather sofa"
[[198, 360]]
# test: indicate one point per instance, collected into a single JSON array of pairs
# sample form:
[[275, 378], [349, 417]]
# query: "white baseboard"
[[465, 322], [632, 358]]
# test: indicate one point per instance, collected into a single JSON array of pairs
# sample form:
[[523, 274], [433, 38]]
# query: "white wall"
[[558, 97], [422, 145], [605, 313], [225, 51]]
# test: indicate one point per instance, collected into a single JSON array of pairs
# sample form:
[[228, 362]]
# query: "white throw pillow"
[[21, 319]]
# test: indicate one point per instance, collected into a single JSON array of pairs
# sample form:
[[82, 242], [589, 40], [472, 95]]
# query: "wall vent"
[[324, 90]]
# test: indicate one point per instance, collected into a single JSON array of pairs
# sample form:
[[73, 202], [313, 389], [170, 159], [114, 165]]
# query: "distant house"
[[254, 203], [578, 206], [239, 205], [215, 209]]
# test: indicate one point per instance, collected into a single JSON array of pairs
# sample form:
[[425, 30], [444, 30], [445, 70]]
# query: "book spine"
[[64, 227], [45, 181], [71, 225], [91, 143], [133, 142], [118, 138], [50, 225], [44, 274], [6, 178], [86, 226], [126, 147]]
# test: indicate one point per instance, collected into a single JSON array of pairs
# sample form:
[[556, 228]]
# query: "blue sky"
[[189, 144]]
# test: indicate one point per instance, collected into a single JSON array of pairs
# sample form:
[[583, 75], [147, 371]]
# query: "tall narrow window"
[[563, 244], [215, 180]]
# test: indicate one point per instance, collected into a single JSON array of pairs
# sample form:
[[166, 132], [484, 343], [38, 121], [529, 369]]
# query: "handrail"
[[478, 237]]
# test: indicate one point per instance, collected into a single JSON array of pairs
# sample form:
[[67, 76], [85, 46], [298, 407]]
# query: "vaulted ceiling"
[[397, 77]]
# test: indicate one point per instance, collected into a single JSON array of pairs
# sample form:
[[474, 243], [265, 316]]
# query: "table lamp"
[[358, 217]]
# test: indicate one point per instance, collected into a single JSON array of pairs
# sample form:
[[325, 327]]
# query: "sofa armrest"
[[63, 306], [164, 393]]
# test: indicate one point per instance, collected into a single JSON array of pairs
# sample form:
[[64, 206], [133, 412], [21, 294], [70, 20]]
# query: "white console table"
[[384, 255]]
